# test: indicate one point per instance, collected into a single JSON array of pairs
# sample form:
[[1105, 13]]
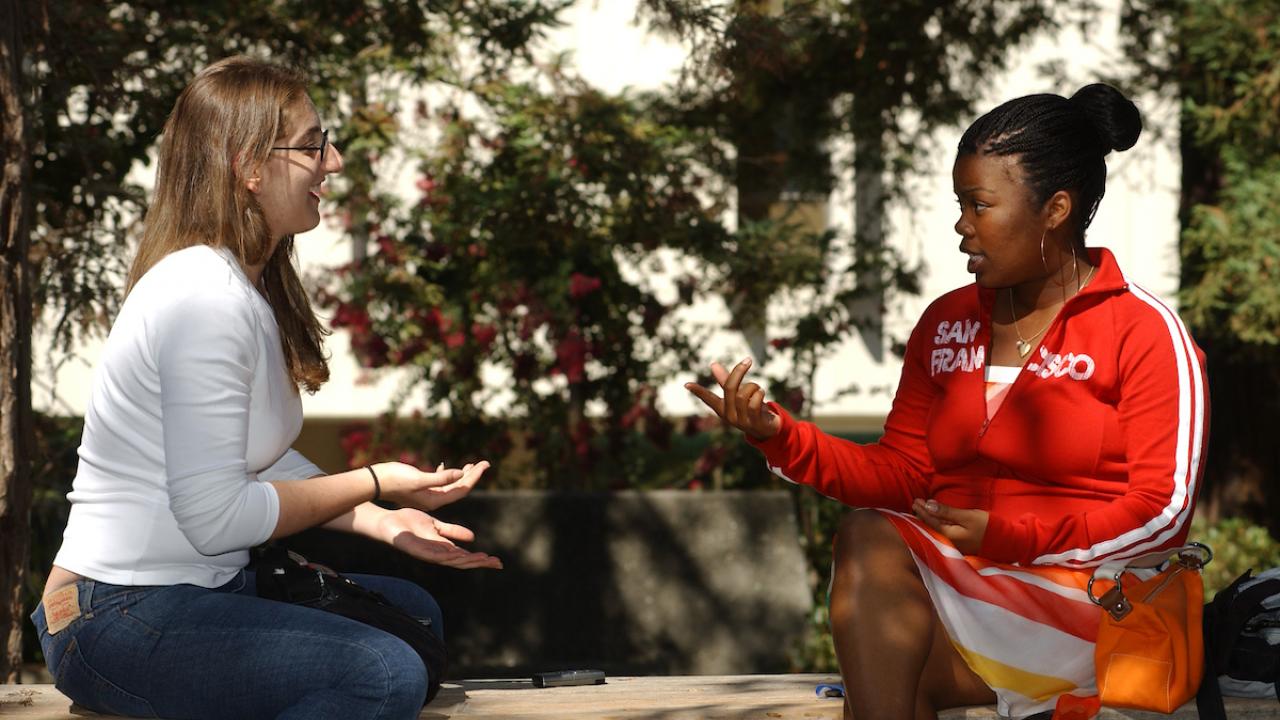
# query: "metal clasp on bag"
[[1113, 600], [1192, 556]]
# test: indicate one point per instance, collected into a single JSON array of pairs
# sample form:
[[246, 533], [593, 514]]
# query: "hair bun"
[[1113, 115]]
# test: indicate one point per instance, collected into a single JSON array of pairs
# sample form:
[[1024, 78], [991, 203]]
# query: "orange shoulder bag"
[[1150, 650]]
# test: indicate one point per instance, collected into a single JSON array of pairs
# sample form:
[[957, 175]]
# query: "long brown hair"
[[222, 126]]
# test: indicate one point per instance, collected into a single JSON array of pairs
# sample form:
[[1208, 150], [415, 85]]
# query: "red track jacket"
[[1095, 454]]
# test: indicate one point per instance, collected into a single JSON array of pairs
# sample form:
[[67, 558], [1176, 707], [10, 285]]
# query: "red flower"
[[582, 285], [435, 251], [355, 442], [387, 247], [435, 322], [351, 316], [370, 349], [407, 352], [633, 415], [455, 340], [781, 343], [483, 335], [581, 438], [571, 357]]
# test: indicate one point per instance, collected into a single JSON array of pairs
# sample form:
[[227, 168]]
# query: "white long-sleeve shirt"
[[191, 412]]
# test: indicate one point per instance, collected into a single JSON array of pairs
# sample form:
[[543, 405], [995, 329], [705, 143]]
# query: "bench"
[[723, 697]]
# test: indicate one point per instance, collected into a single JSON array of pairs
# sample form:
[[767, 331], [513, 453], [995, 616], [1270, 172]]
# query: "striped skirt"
[[1029, 632]]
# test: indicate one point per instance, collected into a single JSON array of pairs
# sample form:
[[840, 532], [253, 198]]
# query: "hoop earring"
[[1043, 261], [1075, 267]]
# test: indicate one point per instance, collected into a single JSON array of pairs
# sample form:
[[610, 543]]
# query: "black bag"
[[288, 577], [1241, 642]]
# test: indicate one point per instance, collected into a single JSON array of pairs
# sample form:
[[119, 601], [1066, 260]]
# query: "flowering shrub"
[[503, 285]]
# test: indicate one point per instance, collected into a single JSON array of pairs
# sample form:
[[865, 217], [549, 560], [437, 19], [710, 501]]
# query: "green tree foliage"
[[1238, 545], [1221, 59], [1234, 249], [1232, 103]]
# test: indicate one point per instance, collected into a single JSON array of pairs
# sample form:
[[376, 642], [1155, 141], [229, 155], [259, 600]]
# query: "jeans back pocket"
[[80, 682]]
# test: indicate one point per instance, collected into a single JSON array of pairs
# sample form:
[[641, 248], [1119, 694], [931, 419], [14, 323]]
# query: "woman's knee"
[[389, 668], [868, 553]]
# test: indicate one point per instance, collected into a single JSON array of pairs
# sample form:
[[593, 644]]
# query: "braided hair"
[[1060, 142]]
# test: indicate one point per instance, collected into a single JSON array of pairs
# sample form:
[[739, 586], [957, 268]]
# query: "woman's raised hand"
[[407, 485], [742, 405]]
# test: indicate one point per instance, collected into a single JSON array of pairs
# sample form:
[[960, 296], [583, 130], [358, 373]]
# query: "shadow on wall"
[[632, 583]]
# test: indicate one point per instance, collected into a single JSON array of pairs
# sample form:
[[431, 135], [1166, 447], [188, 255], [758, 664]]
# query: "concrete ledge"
[[664, 582], [732, 697]]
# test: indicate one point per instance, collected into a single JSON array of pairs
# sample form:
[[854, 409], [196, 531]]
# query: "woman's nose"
[[333, 160]]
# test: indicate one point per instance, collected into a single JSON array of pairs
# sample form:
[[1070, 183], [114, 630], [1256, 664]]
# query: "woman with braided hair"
[[1050, 417]]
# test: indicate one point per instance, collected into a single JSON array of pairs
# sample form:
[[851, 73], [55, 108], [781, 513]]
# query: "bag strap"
[[1192, 551], [1193, 555], [1209, 704], [1276, 683], [1218, 641], [1221, 625]]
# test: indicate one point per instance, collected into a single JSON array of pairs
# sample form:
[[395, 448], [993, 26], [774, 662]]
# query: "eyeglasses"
[[322, 147]]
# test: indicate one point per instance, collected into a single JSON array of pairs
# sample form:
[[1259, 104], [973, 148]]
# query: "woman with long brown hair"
[[185, 462]]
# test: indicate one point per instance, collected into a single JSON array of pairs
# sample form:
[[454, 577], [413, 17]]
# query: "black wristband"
[[377, 487]]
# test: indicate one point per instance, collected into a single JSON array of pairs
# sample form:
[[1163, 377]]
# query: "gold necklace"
[[1024, 344]]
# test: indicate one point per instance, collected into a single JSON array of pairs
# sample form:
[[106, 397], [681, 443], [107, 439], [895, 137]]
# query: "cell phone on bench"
[[564, 678]]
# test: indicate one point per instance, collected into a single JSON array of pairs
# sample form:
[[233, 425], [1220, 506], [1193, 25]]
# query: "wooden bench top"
[[754, 697]]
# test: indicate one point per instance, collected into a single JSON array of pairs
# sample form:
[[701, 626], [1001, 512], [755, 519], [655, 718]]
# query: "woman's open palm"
[[419, 535]]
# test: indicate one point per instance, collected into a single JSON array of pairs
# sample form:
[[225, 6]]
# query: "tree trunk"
[[358, 169], [758, 178], [1244, 458], [15, 340], [869, 197]]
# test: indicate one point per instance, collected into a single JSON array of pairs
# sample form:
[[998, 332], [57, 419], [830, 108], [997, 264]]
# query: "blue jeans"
[[181, 651]]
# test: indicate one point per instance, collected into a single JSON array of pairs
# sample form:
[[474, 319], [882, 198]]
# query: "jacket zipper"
[[986, 422]]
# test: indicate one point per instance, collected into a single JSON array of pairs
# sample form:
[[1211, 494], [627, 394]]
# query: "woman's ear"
[[1057, 211], [253, 183]]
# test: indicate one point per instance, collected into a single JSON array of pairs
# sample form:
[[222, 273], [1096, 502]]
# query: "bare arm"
[[321, 500], [305, 503]]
